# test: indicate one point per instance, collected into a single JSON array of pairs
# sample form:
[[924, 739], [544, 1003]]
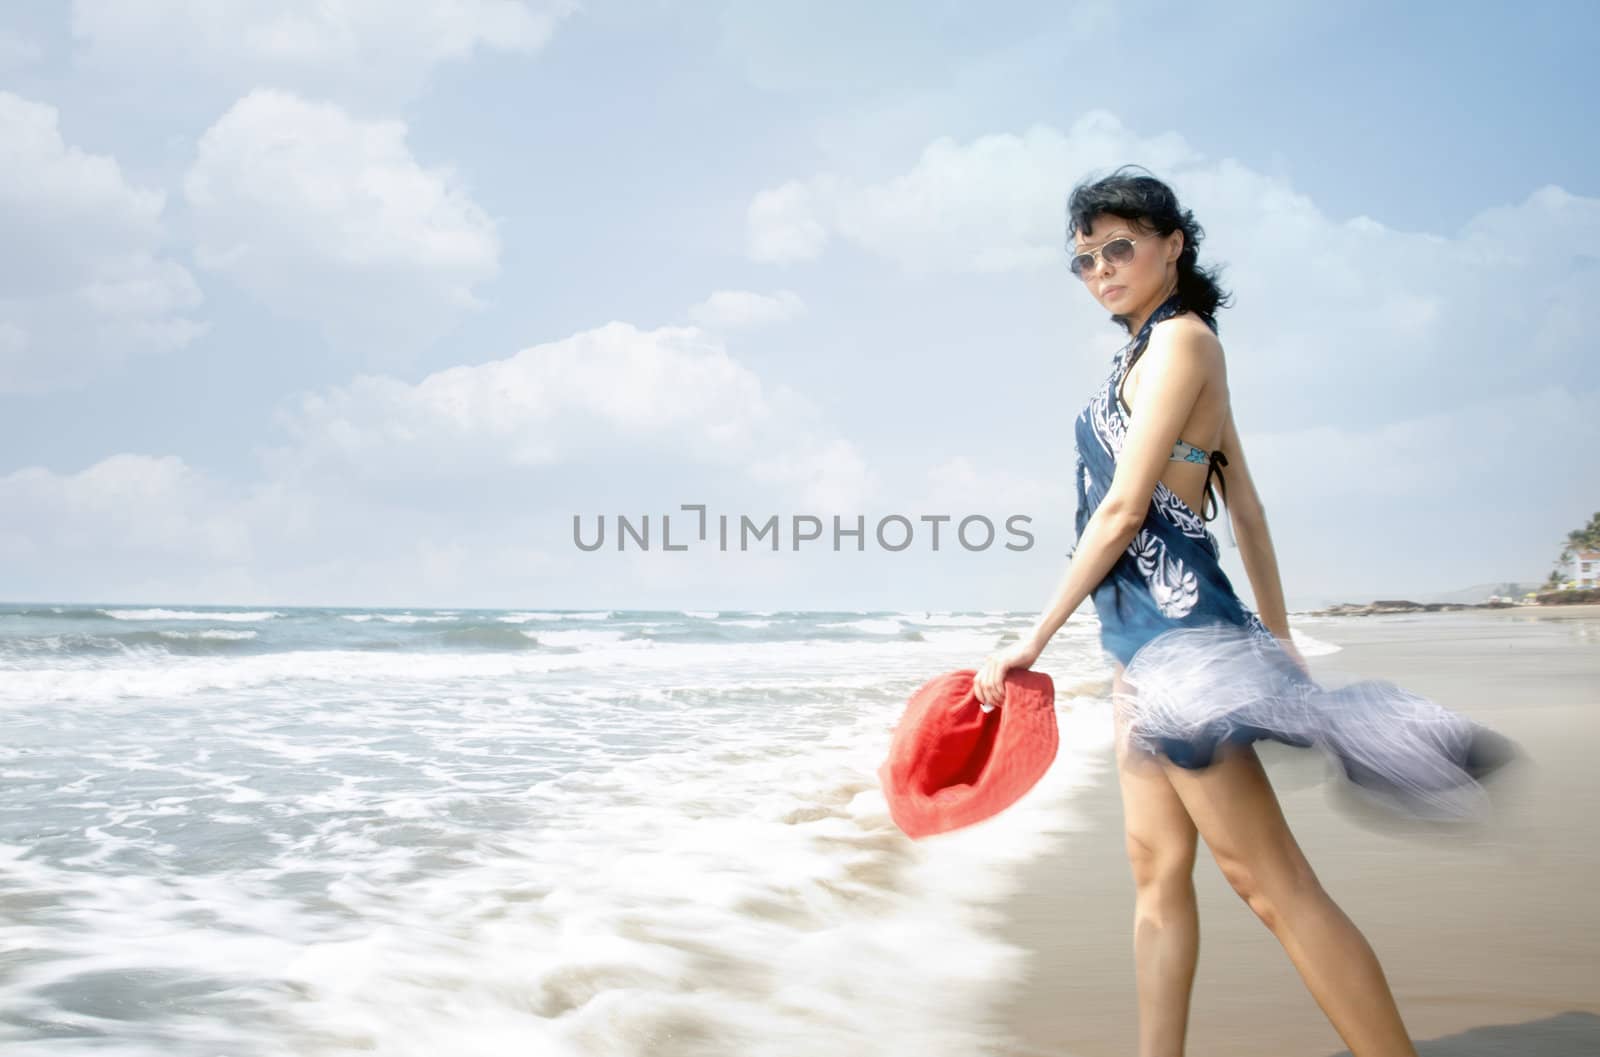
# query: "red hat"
[[952, 763]]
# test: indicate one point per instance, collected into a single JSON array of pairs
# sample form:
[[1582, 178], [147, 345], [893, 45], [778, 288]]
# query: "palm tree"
[[1584, 539]]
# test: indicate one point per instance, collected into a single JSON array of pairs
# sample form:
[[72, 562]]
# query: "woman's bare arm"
[[1255, 540]]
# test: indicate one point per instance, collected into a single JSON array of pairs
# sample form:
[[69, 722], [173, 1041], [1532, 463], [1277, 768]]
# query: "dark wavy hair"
[[1151, 204]]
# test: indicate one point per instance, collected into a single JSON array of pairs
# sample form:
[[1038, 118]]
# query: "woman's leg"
[[1237, 812], [1160, 840]]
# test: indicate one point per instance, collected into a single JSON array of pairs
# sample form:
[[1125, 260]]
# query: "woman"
[[1199, 677]]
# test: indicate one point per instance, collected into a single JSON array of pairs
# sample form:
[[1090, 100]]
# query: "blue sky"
[[361, 302]]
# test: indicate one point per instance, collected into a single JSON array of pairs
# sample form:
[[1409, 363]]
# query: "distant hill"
[[1480, 592], [1461, 596]]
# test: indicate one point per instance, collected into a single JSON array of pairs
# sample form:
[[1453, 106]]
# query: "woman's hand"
[[989, 684], [1294, 655]]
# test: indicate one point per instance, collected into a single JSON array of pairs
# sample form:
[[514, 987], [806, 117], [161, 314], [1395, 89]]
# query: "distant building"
[[1586, 569]]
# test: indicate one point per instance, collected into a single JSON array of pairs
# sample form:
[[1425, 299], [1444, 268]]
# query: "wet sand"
[[1490, 936]]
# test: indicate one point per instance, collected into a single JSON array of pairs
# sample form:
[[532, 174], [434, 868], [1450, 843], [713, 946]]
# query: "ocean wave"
[[190, 614]]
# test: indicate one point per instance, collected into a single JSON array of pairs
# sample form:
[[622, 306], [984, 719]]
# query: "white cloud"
[[601, 389], [822, 477], [331, 219], [733, 309], [123, 504], [1388, 322], [83, 284], [783, 224], [993, 204], [612, 393], [365, 48]]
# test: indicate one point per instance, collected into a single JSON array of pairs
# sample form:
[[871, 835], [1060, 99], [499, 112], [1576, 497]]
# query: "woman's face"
[[1128, 287]]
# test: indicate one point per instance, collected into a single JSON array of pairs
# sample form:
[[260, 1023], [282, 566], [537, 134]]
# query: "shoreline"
[[1385, 607], [1486, 935]]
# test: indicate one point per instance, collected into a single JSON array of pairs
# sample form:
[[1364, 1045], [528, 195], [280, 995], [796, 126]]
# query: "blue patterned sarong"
[[1170, 576], [1203, 669]]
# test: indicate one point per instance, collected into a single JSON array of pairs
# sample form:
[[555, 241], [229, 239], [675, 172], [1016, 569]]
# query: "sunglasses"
[[1118, 251]]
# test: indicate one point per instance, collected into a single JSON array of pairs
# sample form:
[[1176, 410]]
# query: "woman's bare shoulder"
[[1189, 322], [1188, 330]]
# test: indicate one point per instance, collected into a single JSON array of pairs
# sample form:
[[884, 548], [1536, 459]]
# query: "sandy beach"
[[1490, 937]]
